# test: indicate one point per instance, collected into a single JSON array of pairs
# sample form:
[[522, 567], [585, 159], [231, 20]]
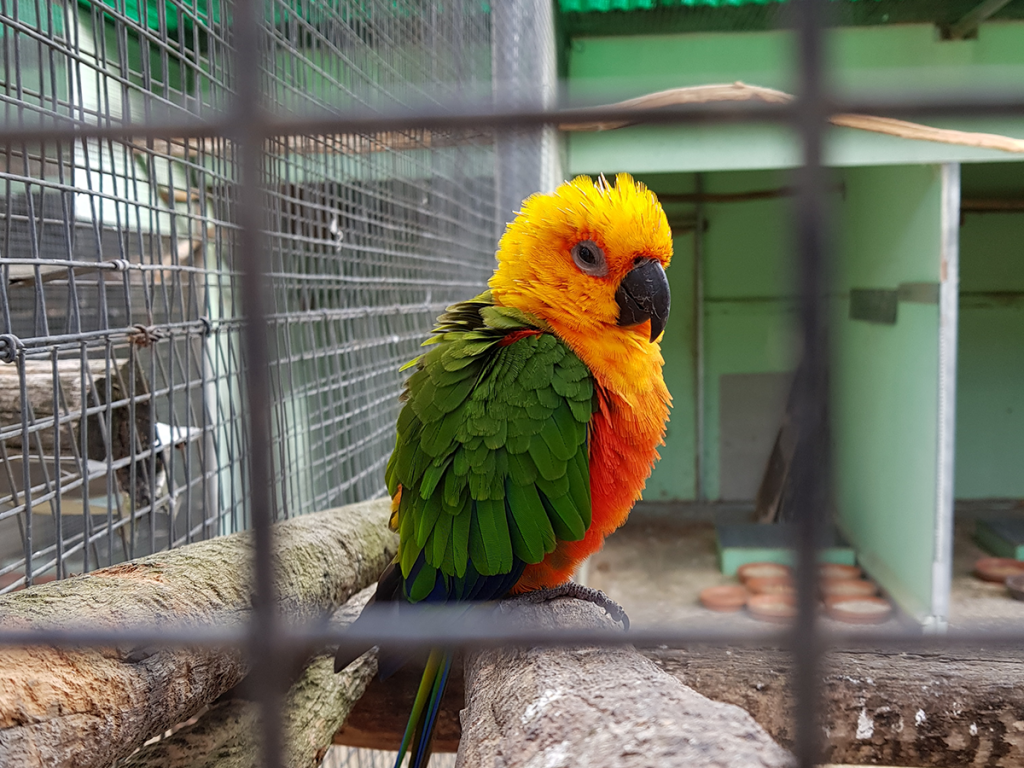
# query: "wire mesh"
[[228, 284], [121, 292]]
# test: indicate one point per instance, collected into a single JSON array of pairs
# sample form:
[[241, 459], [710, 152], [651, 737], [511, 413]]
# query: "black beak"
[[643, 295]]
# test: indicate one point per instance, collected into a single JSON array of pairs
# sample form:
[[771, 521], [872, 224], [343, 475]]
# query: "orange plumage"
[[536, 275]]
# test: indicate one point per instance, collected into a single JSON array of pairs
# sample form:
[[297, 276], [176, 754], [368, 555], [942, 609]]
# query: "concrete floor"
[[657, 564], [977, 604]]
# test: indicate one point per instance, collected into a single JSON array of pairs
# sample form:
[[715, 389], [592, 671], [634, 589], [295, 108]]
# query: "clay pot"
[[859, 610], [996, 569], [848, 588], [763, 570], [728, 597], [771, 585], [839, 571], [779, 608]]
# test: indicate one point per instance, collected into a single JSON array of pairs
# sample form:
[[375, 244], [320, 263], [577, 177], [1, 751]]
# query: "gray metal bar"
[[483, 115], [810, 461], [487, 627]]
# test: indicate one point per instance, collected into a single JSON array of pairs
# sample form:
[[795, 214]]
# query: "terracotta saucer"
[[859, 610], [1015, 584], [763, 570], [728, 597], [848, 588], [778, 608], [997, 568], [765, 585], [839, 571]]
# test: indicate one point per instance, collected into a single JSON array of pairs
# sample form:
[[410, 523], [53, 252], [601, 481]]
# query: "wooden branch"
[[88, 707], [954, 708], [228, 735], [39, 389], [599, 707], [740, 92], [869, 712]]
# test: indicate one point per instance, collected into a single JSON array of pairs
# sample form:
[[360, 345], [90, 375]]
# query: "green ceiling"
[[603, 6], [632, 17]]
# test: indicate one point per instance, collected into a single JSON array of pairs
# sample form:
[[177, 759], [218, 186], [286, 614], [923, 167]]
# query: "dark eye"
[[589, 257]]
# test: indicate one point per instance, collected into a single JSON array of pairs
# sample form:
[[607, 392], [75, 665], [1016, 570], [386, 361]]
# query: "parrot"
[[530, 425]]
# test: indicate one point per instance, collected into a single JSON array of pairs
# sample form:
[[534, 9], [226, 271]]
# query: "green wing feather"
[[491, 453]]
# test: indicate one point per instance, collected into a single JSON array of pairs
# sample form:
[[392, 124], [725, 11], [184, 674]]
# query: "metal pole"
[[949, 296], [699, 491], [811, 461], [248, 128]]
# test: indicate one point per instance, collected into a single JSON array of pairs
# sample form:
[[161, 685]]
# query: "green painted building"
[[928, 396]]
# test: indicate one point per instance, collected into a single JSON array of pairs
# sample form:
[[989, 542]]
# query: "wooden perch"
[[84, 708], [972, 704], [599, 707], [738, 92], [923, 709], [228, 735]]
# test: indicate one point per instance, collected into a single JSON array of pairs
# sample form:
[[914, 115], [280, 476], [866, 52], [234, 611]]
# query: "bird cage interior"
[[132, 260]]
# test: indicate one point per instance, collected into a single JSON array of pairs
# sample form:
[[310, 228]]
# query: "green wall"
[[905, 58], [889, 218], [749, 315], [673, 476], [884, 378], [749, 290], [990, 360]]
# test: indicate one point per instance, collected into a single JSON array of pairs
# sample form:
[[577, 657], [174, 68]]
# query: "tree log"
[[81, 708], [924, 709], [972, 704], [228, 735], [39, 389], [599, 707]]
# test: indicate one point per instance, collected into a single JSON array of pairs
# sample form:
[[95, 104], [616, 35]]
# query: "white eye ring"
[[588, 256]]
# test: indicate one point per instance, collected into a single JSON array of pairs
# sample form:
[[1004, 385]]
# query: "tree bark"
[[924, 709], [598, 707], [39, 391], [971, 705], [228, 735], [81, 708]]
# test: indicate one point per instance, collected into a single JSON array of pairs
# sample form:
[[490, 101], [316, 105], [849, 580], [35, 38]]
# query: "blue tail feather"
[[420, 728], [468, 590], [440, 684]]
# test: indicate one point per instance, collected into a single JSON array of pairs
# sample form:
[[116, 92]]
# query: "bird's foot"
[[580, 592]]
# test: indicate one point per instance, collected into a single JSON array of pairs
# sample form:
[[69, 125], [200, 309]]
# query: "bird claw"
[[578, 591]]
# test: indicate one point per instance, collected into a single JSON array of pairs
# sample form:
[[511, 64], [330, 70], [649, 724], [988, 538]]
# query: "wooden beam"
[[87, 708], [967, 25]]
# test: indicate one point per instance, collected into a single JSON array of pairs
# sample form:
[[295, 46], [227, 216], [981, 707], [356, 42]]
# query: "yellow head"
[[589, 259]]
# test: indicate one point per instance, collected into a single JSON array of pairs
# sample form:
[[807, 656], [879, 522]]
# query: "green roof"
[[603, 6], [638, 17]]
